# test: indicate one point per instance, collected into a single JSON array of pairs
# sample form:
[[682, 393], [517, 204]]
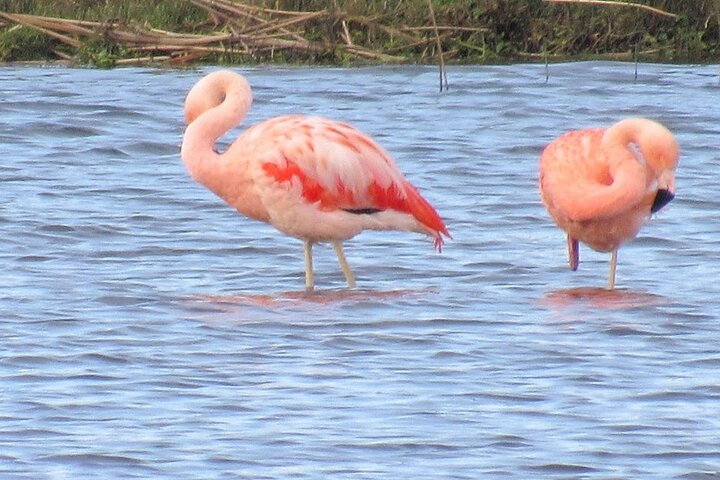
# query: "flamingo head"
[[661, 152], [212, 90]]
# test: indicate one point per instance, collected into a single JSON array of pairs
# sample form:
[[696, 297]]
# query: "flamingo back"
[[336, 168]]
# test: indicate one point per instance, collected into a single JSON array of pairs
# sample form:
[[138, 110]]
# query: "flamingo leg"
[[309, 279], [344, 264], [613, 266], [573, 253]]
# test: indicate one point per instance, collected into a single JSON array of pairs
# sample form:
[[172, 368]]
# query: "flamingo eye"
[[637, 153]]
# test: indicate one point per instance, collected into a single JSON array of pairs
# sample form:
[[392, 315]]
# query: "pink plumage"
[[601, 185], [310, 177]]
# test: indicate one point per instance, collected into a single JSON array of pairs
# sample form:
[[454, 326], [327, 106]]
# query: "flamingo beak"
[[662, 198]]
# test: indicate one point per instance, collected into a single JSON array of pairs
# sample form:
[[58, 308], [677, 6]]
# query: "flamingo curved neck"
[[650, 137], [653, 145], [216, 104], [624, 133]]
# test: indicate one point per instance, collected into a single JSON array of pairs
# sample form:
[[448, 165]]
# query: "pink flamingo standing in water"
[[311, 178], [601, 185]]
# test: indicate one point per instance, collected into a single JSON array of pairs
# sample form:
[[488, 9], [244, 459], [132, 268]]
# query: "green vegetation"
[[105, 33]]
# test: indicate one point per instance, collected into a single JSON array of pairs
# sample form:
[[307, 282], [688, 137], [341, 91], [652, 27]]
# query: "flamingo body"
[[601, 185], [310, 177]]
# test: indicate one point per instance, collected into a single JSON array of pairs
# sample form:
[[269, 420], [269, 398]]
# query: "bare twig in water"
[[635, 54], [438, 43]]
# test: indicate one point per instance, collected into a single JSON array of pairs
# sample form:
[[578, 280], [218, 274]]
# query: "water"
[[148, 331]]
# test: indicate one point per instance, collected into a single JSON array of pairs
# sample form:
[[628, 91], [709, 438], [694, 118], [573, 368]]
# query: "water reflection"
[[304, 297], [602, 298]]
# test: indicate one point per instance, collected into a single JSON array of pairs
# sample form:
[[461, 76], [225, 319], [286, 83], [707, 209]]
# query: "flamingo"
[[311, 178], [601, 185]]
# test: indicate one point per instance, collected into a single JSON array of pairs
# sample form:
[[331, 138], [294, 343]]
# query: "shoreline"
[[55, 63]]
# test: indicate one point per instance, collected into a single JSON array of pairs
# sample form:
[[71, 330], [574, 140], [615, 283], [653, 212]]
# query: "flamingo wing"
[[334, 167]]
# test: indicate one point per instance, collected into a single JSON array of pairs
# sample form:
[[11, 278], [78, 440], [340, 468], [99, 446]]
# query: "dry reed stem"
[[389, 30], [238, 12], [444, 27], [419, 43], [57, 20], [29, 22], [346, 33], [62, 55], [286, 23], [364, 52], [624, 4], [244, 30]]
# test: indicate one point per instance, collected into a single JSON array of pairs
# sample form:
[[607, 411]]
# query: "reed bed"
[[343, 32], [241, 31]]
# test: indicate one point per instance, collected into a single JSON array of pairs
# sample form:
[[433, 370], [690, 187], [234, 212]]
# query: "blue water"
[[149, 331]]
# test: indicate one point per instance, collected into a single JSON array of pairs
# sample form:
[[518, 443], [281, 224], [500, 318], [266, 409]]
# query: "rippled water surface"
[[148, 331]]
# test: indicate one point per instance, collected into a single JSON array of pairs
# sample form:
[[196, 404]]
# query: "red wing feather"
[[312, 191]]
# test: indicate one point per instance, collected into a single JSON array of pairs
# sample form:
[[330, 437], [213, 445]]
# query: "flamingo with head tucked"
[[310, 177], [601, 185]]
